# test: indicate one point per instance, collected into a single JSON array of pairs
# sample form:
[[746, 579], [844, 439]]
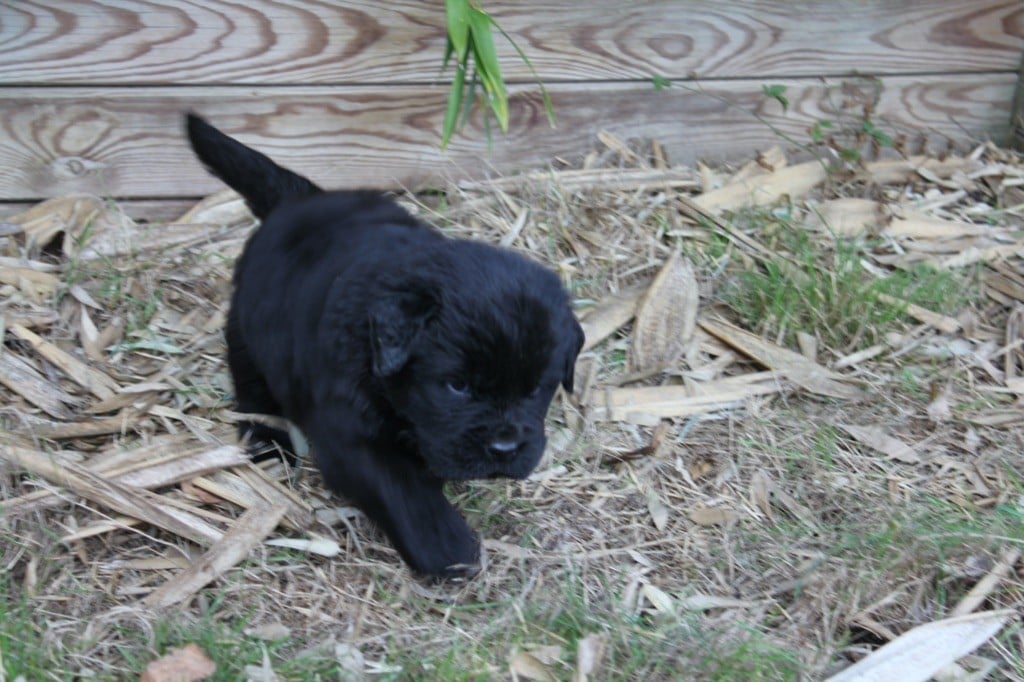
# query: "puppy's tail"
[[261, 182]]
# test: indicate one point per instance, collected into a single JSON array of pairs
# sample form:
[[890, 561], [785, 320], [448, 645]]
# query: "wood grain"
[[154, 42], [127, 142]]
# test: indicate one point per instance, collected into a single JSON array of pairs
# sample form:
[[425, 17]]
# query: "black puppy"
[[405, 357]]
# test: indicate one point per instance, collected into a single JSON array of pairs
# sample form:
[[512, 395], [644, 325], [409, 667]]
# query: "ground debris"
[[710, 464]]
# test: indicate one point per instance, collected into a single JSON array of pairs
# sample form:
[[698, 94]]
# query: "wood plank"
[[128, 141], [402, 41]]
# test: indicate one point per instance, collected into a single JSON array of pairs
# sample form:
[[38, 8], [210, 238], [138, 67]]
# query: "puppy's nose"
[[504, 449]]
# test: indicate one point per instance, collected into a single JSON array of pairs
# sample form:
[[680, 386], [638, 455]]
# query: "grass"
[[819, 286], [22, 651]]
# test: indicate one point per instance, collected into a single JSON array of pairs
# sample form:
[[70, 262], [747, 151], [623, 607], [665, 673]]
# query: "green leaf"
[[469, 98], [457, 18], [879, 135], [455, 100], [660, 82], [851, 155], [486, 59], [776, 92], [449, 50], [549, 109]]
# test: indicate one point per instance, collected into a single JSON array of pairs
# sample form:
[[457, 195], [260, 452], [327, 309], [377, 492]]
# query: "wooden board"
[[122, 42], [127, 142]]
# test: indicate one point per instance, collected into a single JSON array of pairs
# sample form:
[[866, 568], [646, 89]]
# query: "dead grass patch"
[[794, 483]]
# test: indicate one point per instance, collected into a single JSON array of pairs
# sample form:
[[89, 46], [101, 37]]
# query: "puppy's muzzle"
[[506, 444]]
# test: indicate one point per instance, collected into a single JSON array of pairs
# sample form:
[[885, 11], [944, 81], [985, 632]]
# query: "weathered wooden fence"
[[350, 91]]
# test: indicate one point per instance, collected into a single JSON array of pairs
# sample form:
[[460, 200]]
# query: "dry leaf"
[[43, 222], [269, 631], [846, 217], [658, 510], [665, 317], [658, 598], [223, 208], [940, 408], [875, 437], [263, 672], [706, 602], [528, 666], [761, 486], [609, 316], [793, 366], [180, 665], [351, 663], [712, 516], [651, 403], [317, 545], [765, 189], [917, 655], [589, 652], [247, 532]]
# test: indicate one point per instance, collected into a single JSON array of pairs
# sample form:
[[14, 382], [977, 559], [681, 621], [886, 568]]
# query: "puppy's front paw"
[[445, 548]]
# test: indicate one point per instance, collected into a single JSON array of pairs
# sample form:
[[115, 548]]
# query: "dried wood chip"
[[917, 655], [917, 225], [766, 189], [643, 403], [609, 316], [23, 379], [133, 502], [38, 286], [596, 178], [770, 160], [247, 490], [148, 473], [666, 317], [847, 217], [96, 382], [85, 429], [225, 207], [69, 215], [793, 366], [1008, 558], [944, 323], [248, 531], [892, 171], [875, 437], [316, 545]]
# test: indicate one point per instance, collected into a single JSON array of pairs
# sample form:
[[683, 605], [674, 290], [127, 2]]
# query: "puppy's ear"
[[573, 348], [396, 319]]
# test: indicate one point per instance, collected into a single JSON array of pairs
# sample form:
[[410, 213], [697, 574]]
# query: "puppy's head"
[[470, 351]]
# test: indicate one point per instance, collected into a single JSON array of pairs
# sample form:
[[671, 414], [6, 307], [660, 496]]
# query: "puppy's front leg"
[[406, 502]]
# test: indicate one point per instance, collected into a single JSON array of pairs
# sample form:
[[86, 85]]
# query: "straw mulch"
[[122, 487]]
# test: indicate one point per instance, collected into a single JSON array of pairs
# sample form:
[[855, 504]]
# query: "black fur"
[[405, 357]]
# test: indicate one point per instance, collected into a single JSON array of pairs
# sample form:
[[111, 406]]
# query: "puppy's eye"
[[536, 391], [458, 387]]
